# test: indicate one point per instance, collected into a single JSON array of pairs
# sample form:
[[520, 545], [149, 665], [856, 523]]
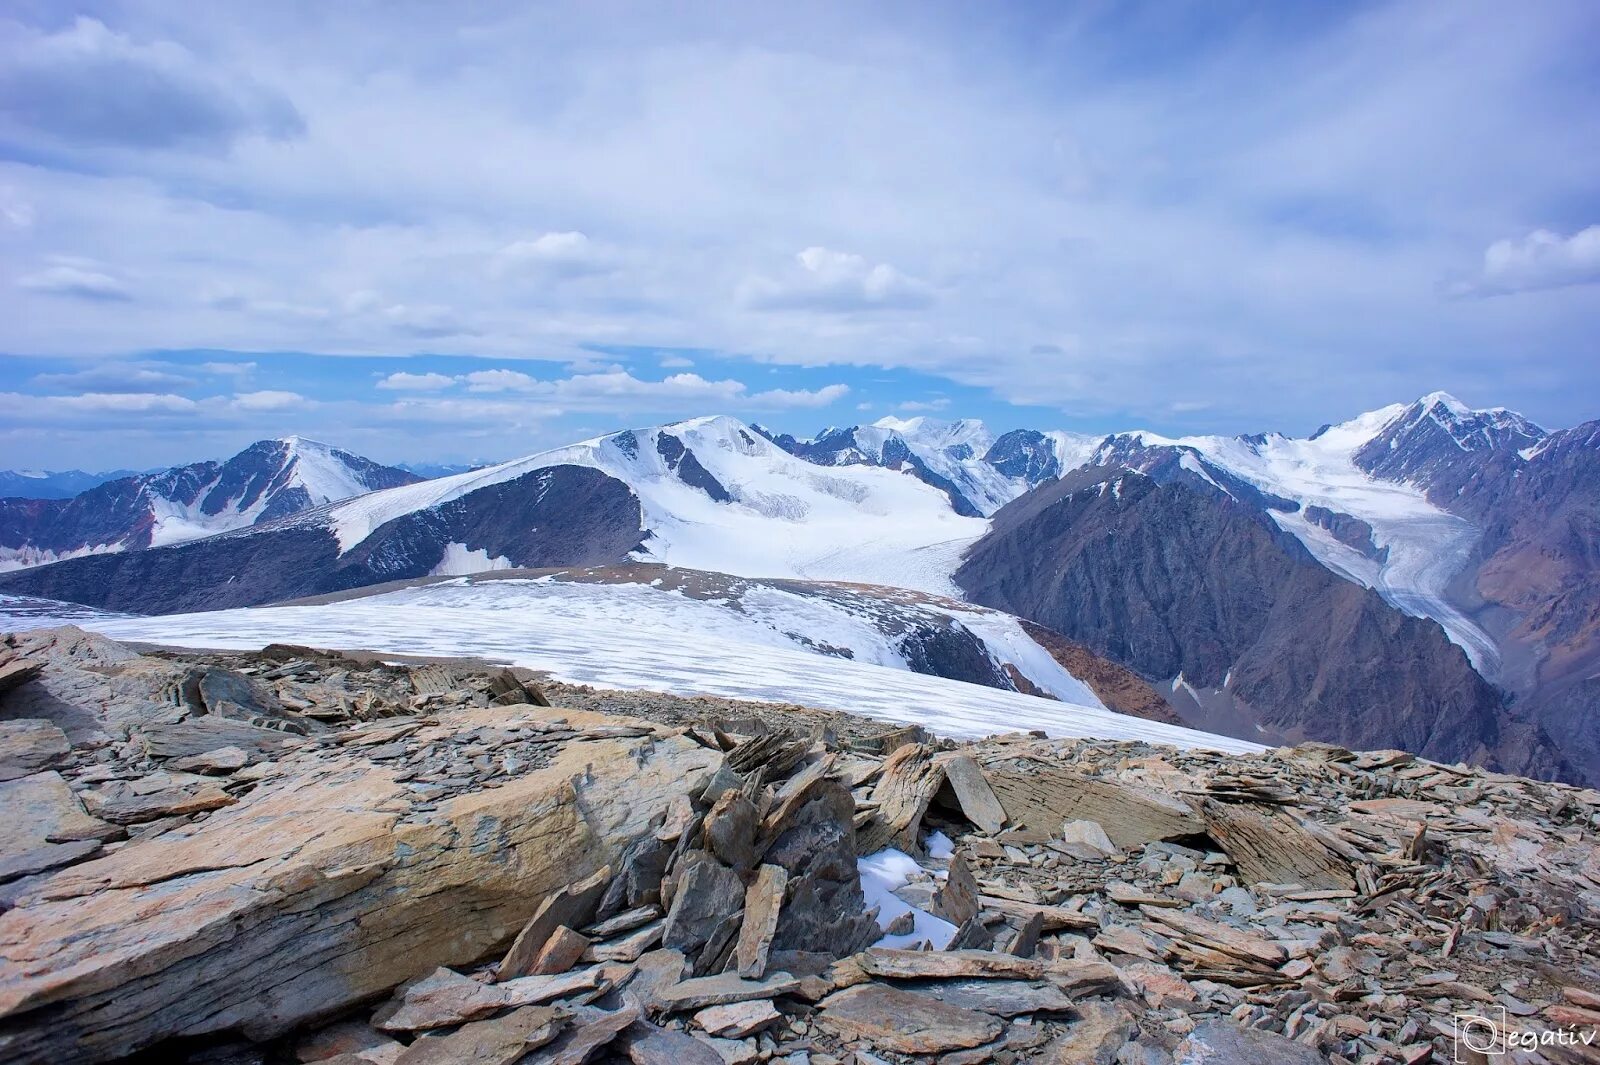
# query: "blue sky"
[[226, 221]]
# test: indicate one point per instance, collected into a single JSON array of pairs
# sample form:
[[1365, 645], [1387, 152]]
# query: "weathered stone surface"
[[722, 989], [1223, 1043], [193, 737], [17, 672], [909, 782], [343, 1037], [341, 907], [1052, 918], [1002, 998], [1086, 840], [446, 997], [920, 964], [736, 1020], [591, 1032], [647, 1044], [29, 745], [222, 761], [501, 1041], [40, 809], [560, 952], [628, 946], [903, 1021], [972, 792], [43, 859], [730, 830], [1273, 847], [124, 805], [1038, 800], [817, 848], [1096, 1035], [956, 900], [763, 902], [573, 904]]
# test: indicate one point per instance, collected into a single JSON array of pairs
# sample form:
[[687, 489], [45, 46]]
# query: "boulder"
[[324, 887], [903, 1021]]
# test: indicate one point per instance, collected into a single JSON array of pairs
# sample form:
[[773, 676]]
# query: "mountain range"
[[1424, 576], [270, 479]]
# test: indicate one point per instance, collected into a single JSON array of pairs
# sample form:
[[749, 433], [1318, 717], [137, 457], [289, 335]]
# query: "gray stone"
[[1223, 1043]]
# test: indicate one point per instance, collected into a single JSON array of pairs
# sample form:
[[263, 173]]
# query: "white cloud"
[[924, 405], [1541, 260], [553, 256], [676, 362], [500, 381], [88, 84], [76, 282], [229, 369], [402, 381], [834, 281], [786, 398], [271, 400]]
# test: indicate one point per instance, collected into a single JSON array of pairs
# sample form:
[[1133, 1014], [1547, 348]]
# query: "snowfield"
[[787, 517], [637, 638]]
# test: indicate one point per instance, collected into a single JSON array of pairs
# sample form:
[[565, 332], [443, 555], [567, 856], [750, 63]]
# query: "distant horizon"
[[812, 432]]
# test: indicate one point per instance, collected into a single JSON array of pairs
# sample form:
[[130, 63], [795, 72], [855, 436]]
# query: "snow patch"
[[458, 561]]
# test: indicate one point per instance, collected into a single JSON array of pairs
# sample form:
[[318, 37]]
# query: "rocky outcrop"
[[438, 869]]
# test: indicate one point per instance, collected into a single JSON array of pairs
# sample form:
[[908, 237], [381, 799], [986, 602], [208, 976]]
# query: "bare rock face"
[[318, 890]]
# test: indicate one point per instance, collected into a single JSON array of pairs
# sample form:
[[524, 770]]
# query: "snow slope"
[[632, 638], [784, 517]]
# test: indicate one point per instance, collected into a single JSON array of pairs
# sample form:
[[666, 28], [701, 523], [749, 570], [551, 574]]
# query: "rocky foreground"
[[298, 856]]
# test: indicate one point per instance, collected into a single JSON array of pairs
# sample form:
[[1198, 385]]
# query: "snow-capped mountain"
[[53, 484], [1272, 585], [270, 479], [978, 473]]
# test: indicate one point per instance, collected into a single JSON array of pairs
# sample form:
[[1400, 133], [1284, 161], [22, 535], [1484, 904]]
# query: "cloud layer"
[[1130, 214]]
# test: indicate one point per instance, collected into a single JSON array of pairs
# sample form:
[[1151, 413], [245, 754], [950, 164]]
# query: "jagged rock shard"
[[1038, 799], [708, 893], [763, 902], [909, 782], [275, 910], [572, 905], [501, 1041], [903, 1021], [592, 1031], [956, 900], [1270, 847], [973, 794]]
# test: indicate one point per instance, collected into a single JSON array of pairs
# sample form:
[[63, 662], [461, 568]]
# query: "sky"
[[468, 232]]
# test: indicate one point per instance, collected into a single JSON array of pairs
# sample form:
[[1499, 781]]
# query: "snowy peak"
[[1438, 441], [270, 479]]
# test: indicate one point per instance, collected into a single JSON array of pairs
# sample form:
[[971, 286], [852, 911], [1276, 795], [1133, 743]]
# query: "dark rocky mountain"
[[1438, 443], [1169, 574], [53, 484], [268, 480], [1025, 455]]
